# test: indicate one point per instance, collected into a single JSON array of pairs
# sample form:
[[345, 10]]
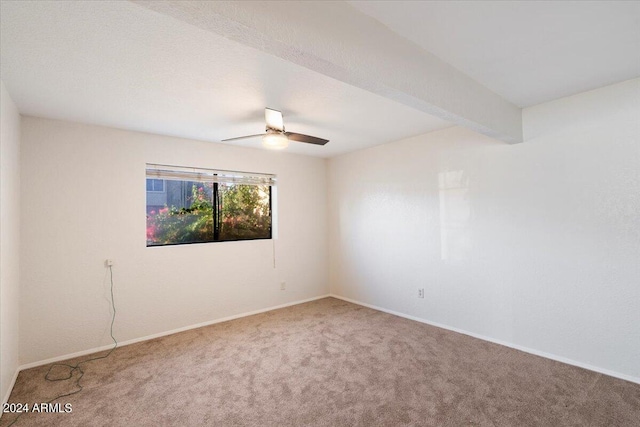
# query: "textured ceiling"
[[121, 65], [528, 52], [339, 41]]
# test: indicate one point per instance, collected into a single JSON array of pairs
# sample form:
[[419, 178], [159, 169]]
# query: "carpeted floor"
[[328, 363]]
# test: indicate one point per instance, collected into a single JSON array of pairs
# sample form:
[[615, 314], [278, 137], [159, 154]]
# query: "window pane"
[[245, 211], [187, 217]]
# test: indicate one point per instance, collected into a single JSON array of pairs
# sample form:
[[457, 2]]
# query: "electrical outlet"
[[421, 293], [283, 286], [108, 263]]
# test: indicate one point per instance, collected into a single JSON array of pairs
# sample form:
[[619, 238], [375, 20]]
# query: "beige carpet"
[[329, 363]]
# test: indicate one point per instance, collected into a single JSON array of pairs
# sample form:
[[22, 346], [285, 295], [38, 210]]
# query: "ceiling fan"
[[275, 137]]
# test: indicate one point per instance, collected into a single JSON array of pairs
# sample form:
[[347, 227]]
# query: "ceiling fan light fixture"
[[275, 140]]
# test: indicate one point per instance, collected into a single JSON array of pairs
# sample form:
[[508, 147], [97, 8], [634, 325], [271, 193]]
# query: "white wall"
[[536, 245], [9, 240], [83, 200]]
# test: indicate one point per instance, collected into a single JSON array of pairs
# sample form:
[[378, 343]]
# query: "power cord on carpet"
[[76, 367]]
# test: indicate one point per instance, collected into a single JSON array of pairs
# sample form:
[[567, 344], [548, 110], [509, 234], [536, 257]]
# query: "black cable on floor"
[[76, 367]]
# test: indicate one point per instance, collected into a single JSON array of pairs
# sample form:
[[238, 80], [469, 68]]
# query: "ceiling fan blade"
[[306, 138], [273, 118], [243, 137]]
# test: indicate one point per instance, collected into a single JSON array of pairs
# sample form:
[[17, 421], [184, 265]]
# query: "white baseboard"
[[161, 334], [496, 341], [10, 389]]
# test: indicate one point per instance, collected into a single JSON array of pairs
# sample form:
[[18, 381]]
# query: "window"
[[204, 205], [155, 185]]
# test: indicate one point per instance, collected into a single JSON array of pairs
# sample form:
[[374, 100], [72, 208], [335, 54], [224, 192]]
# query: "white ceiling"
[[122, 65], [528, 52]]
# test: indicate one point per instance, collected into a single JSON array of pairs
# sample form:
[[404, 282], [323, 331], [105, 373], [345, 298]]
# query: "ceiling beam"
[[339, 41]]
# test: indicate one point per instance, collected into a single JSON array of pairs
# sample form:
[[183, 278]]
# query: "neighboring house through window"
[[155, 185], [156, 194]]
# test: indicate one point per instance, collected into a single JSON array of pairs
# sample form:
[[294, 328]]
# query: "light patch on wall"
[[455, 215]]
